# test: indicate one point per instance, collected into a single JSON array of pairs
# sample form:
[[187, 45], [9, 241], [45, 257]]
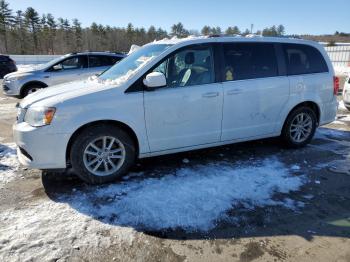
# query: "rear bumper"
[[328, 112], [38, 148]]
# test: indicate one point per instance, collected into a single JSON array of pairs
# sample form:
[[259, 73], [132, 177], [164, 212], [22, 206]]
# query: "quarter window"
[[191, 66], [303, 59], [249, 61]]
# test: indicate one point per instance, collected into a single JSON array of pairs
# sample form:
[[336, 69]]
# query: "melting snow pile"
[[195, 198], [27, 67], [8, 111], [8, 163], [49, 231]]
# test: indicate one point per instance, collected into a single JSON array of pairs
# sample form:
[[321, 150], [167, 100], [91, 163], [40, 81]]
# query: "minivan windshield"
[[122, 71]]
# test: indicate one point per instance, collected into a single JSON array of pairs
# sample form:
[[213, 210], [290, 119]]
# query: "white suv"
[[177, 95], [63, 69]]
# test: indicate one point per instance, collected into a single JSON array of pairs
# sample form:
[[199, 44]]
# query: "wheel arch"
[[310, 104], [34, 82], [113, 123]]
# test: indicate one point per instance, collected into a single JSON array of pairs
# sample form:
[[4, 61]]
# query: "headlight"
[[15, 78], [39, 116]]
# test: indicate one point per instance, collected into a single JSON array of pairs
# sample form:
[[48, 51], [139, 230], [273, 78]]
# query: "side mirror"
[[154, 80], [57, 67]]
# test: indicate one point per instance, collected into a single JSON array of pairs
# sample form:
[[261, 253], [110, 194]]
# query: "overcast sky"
[[298, 16]]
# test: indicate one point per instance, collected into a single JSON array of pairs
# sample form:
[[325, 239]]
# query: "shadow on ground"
[[320, 207]]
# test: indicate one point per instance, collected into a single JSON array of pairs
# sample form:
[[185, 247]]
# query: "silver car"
[[67, 68]]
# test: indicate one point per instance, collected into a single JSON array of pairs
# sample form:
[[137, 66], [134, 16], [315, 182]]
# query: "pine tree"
[[151, 33], [102, 44], [6, 19], [130, 33], [77, 30], [33, 23], [232, 30], [20, 32], [178, 30], [44, 34], [280, 30], [246, 32], [216, 30], [206, 30], [52, 32], [161, 33]]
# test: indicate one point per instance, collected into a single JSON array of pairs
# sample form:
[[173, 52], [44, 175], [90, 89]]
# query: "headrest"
[[208, 61], [189, 58], [295, 59]]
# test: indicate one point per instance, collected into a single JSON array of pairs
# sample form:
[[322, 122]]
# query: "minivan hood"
[[61, 92]]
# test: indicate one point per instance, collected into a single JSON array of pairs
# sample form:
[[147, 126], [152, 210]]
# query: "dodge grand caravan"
[[178, 95]]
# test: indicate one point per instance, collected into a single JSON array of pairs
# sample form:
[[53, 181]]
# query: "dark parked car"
[[7, 65]]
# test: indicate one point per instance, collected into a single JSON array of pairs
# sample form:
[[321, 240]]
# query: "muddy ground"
[[318, 230]]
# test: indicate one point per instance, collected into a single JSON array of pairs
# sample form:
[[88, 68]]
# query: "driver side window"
[[188, 67], [69, 63]]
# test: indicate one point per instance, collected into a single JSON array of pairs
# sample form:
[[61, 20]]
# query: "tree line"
[[27, 32]]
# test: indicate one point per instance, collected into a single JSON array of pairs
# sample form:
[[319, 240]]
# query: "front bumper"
[[39, 148], [11, 88]]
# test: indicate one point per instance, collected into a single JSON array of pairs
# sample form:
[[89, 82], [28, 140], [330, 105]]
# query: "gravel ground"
[[251, 201]]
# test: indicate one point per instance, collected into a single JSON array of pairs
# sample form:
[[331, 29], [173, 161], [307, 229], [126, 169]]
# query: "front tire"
[[30, 90], [299, 127], [102, 154]]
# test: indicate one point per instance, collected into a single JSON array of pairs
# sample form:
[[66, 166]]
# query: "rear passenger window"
[[249, 61], [303, 59]]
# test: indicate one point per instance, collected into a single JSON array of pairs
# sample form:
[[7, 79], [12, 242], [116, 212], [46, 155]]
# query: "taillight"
[[335, 85]]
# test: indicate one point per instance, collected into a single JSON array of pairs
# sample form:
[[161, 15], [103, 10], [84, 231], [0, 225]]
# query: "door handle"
[[46, 76], [211, 94], [234, 91]]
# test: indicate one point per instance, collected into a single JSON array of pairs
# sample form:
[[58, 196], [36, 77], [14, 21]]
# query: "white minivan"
[[177, 95]]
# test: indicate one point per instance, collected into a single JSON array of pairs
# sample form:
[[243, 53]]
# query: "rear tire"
[[102, 154], [299, 127], [30, 89]]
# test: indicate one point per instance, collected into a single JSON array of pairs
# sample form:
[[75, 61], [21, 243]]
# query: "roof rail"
[[224, 35]]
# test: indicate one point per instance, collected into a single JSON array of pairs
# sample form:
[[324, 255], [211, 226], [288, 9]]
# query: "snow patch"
[[47, 231], [27, 67], [8, 111], [8, 163], [342, 70], [195, 198], [335, 141], [341, 105], [295, 167], [122, 79]]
